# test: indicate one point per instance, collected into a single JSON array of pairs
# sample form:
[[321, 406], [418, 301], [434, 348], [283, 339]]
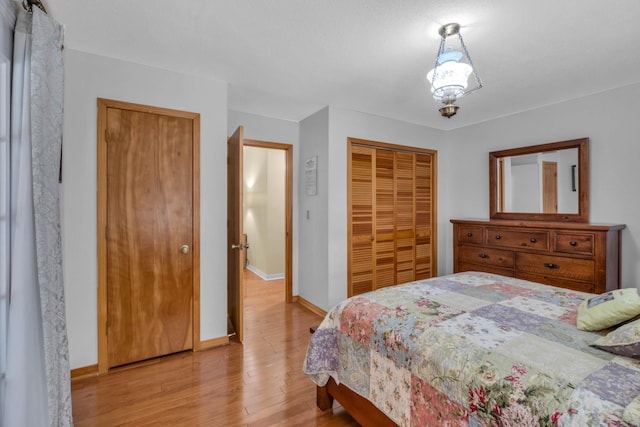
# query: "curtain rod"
[[28, 4]]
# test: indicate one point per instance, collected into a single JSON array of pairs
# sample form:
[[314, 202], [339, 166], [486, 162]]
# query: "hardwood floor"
[[258, 383]]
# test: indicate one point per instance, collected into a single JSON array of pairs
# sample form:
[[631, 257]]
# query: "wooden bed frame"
[[363, 411]]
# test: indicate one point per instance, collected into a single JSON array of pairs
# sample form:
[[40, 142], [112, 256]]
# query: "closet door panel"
[[424, 208], [362, 220], [384, 219], [405, 224]]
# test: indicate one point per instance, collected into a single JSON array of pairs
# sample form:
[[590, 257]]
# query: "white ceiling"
[[289, 58]]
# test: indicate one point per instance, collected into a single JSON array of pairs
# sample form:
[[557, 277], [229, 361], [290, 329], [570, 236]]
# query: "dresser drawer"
[[574, 243], [558, 281], [518, 238], [554, 266], [470, 234], [486, 256], [464, 266]]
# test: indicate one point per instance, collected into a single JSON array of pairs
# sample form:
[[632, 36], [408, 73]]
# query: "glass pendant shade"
[[450, 78]]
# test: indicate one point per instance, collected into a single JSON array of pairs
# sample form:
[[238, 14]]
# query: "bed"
[[469, 349]]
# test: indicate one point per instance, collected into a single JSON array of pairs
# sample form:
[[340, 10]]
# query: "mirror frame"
[[582, 144]]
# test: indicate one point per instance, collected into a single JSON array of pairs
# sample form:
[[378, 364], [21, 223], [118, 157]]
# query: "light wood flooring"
[[257, 383]]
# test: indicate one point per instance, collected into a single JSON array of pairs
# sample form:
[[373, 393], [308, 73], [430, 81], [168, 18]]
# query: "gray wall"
[[313, 255]]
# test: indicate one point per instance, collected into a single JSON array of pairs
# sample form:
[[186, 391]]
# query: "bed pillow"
[[608, 309], [624, 341], [631, 413]]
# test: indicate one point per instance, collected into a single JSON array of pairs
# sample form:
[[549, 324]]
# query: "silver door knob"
[[240, 246], [184, 249]]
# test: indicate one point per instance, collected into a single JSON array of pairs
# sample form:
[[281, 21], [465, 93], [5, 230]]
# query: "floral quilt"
[[473, 349]]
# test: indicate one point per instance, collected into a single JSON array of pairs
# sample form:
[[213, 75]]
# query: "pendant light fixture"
[[450, 76]]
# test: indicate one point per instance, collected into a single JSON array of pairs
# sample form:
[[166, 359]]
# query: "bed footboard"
[[363, 411]]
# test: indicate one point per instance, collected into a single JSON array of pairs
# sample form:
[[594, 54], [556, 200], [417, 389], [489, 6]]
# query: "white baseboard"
[[264, 276]]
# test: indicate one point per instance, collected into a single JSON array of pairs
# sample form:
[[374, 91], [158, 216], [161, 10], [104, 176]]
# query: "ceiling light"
[[449, 78]]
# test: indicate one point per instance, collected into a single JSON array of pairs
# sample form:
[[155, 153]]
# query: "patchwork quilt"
[[473, 349]]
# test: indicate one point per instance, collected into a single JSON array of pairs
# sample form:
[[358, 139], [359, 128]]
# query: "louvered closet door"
[[385, 212], [423, 211], [361, 272], [391, 217], [405, 223]]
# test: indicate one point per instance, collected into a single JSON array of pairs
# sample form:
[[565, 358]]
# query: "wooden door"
[[391, 199], [149, 234], [405, 223], [549, 187], [385, 216], [361, 237], [235, 236], [424, 199]]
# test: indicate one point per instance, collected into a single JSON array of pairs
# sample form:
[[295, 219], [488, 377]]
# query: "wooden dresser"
[[582, 257]]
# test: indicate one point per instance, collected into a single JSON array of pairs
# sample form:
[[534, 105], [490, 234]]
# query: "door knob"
[[240, 246], [184, 249]]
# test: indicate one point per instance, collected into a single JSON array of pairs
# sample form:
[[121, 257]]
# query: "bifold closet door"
[[390, 217]]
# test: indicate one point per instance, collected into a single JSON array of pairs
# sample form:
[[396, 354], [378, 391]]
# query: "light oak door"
[[405, 222], [549, 187], [149, 235], [361, 234], [425, 191], [235, 235], [384, 261]]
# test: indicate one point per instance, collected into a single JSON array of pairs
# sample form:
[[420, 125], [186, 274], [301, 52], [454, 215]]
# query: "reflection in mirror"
[[544, 182]]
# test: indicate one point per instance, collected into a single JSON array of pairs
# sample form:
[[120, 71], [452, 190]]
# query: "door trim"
[[288, 208], [103, 105]]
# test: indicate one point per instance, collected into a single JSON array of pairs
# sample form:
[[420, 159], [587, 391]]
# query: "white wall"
[[567, 198], [609, 119], [254, 198], [276, 201], [88, 77], [264, 210], [525, 188]]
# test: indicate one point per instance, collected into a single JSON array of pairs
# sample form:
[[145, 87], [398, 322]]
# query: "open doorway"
[[265, 219]]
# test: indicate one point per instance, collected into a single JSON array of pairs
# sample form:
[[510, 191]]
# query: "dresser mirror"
[[547, 182]]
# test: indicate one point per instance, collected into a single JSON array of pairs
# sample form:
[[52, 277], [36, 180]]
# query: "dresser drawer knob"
[[483, 256], [551, 265], [573, 243], [533, 240], [469, 234], [498, 237]]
